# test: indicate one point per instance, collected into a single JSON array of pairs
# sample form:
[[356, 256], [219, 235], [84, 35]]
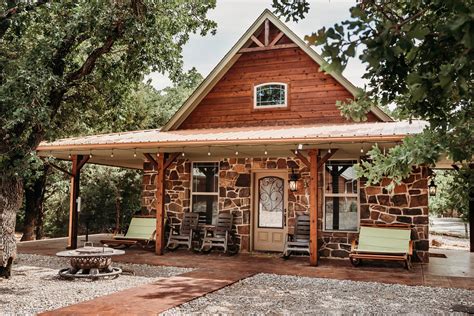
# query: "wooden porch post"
[[160, 203], [78, 161], [313, 207]]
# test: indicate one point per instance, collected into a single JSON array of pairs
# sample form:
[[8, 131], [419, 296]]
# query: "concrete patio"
[[215, 271]]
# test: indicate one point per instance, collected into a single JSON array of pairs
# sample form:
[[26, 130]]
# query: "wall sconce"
[[293, 181], [432, 188]]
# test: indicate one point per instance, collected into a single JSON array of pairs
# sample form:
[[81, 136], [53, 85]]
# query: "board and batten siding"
[[312, 94]]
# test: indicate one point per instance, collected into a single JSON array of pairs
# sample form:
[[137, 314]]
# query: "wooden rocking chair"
[[220, 235], [299, 241], [186, 232]]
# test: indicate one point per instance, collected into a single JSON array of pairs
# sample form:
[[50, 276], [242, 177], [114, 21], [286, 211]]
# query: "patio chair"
[[140, 231], [220, 235], [184, 236], [299, 240], [376, 243]]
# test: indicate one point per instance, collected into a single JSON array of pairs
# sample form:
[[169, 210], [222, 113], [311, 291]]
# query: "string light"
[[362, 148], [266, 152], [69, 156], [182, 153], [209, 151], [135, 153], [158, 152], [90, 153], [112, 154], [236, 151], [329, 150]]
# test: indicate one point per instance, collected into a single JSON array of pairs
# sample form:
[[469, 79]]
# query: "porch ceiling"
[[126, 149]]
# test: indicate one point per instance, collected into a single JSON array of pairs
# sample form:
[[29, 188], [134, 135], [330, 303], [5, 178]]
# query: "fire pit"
[[90, 262]]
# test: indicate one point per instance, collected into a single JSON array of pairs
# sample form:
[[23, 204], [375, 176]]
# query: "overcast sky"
[[234, 17]]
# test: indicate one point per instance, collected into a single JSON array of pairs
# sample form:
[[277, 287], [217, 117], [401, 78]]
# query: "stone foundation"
[[408, 203]]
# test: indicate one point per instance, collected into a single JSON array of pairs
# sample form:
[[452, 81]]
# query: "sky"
[[234, 17]]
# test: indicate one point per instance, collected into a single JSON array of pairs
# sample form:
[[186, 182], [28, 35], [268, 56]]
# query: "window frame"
[[256, 107], [344, 195], [192, 193]]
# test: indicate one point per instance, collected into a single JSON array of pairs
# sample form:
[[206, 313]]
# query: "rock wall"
[[407, 204]]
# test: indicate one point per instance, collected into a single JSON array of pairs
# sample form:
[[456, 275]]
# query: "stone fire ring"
[[90, 262]]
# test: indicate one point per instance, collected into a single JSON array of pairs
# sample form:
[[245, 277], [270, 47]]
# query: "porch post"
[[313, 207], [160, 203], [78, 161]]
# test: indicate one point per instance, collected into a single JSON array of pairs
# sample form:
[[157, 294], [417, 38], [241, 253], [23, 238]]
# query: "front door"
[[270, 211]]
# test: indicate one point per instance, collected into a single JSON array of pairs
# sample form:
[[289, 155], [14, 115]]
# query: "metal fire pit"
[[90, 262]]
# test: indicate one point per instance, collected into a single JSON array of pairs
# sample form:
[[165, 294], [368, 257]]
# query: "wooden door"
[[270, 203]]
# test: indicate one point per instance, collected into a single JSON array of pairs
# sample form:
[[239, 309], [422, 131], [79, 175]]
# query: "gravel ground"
[[291, 295], [35, 285]]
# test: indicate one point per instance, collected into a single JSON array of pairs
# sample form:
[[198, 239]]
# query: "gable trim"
[[233, 55]]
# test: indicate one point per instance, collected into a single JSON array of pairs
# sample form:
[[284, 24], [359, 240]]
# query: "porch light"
[[292, 182], [432, 187]]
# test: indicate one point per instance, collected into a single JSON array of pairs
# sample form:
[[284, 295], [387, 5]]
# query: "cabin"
[[261, 138]]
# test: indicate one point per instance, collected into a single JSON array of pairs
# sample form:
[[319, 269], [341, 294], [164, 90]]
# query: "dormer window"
[[270, 95]]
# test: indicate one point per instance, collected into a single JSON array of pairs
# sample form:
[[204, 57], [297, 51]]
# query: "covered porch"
[[242, 156]]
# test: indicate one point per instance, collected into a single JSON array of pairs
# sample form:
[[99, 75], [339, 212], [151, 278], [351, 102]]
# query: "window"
[[205, 190], [270, 95], [341, 203]]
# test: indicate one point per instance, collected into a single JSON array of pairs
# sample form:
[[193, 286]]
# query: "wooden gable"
[[269, 52]]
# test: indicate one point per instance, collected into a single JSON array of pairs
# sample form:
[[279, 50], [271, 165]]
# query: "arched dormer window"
[[270, 95]]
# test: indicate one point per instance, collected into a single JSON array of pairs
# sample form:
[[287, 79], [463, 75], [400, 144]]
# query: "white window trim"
[[270, 106], [344, 195], [203, 193]]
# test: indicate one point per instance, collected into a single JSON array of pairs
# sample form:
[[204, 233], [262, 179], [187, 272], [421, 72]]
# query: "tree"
[[451, 195], [56, 55]]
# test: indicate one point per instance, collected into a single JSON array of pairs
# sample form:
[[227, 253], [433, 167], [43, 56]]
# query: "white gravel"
[[35, 285], [291, 295]]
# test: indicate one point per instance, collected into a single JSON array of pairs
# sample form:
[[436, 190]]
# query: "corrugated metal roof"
[[244, 135]]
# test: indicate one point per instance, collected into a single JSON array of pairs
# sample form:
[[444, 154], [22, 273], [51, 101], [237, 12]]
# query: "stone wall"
[[408, 203]]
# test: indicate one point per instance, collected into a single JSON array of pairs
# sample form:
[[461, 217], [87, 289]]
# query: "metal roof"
[[245, 135]]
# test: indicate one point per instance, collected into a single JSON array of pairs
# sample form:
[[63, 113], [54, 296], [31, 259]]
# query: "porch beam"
[[78, 161], [313, 207], [260, 49], [150, 158], [160, 204], [172, 157], [326, 157], [303, 159], [57, 167]]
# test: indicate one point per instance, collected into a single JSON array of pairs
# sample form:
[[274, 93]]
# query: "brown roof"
[[246, 135]]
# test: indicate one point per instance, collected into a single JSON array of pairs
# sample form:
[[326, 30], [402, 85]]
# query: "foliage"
[[61, 59], [291, 9], [452, 194], [418, 55]]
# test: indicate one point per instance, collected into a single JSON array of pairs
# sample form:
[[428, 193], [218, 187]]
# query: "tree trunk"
[[34, 197], [11, 195]]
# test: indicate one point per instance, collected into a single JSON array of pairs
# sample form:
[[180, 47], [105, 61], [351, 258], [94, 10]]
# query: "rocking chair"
[[220, 235], [186, 232], [299, 241]]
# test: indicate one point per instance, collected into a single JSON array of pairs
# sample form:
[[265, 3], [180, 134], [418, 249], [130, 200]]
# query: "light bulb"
[[69, 156], [266, 153], [112, 154], [90, 154], [236, 153], [135, 154], [182, 154], [329, 150]]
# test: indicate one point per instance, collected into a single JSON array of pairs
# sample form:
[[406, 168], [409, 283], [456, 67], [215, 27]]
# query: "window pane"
[[207, 206], [339, 177], [205, 176], [270, 95], [341, 213]]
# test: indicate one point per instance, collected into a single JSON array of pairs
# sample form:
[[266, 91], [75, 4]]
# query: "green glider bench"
[[141, 231], [383, 243]]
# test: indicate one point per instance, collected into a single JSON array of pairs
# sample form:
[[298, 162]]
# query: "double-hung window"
[[341, 203], [205, 190]]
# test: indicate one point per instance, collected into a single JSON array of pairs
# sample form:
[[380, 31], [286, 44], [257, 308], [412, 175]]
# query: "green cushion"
[[140, 228], [384, 240]]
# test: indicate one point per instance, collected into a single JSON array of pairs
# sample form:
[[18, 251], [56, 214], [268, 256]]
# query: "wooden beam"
[[160, 204], [150, 158], [170, 159], [313, 208], [58, 168], [302, 158], [326, 157], [267, 32], [260, 49], [73, 206], [257, 41], [276, 39], [82, 162]]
